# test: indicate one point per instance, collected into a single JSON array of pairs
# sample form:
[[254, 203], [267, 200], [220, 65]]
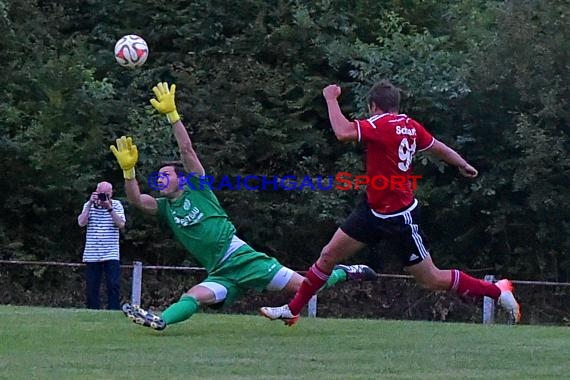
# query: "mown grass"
[[44, 343]]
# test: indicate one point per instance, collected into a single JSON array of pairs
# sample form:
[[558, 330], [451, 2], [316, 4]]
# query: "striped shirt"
[[102, 241]]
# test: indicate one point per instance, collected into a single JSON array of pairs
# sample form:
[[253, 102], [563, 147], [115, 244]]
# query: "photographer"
[[103, 217]]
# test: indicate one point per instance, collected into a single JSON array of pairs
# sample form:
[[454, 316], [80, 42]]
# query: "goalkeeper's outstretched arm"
[[144, 202], [127, 156], [165, 104], [188, 155]]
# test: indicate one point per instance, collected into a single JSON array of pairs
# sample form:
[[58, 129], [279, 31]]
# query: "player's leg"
[[430, 277], [205, 293], [433, 278], [415, 256], [340, 273], [290, 281], [340, 247], [208, 292], [286, 280], [93, 273], [358, 230]]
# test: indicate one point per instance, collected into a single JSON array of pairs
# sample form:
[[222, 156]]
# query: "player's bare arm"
[[187, 153], [342, 127], [450, 156], [144, 202], [127, 156], [165, 104]]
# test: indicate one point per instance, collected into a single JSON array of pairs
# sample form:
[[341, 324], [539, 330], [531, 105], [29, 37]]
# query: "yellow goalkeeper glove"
[[127, 155], [164, 102]]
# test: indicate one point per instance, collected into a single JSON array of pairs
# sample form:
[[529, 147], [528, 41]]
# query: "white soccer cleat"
[[282, 313], [508, 302]]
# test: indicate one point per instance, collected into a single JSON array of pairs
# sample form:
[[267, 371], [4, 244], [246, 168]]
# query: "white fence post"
[[489, 304], [312, 307], [137, 282]]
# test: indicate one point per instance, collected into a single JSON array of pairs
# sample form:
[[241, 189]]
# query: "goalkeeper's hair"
[[177, 165], [385, 96]]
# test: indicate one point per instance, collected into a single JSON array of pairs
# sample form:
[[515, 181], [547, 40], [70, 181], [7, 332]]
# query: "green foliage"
[[486, 77], [518, 113]]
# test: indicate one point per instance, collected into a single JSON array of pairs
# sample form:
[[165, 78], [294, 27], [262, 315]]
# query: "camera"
[[102, 196]]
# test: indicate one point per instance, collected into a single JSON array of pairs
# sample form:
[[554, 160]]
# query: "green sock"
[[337, 275], [181, 310]]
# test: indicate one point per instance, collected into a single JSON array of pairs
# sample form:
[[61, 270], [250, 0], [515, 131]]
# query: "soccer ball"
[[131, 51]]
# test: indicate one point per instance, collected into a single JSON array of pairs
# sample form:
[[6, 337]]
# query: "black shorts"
[[401, 228]]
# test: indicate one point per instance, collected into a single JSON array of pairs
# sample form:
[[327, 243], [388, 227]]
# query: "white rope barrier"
[[488, 303], [200, 269]]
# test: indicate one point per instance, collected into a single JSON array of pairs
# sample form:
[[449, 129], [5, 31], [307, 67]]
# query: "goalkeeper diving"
[[205, 231]]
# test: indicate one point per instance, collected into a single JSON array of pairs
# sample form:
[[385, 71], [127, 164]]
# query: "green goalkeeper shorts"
[[244, 269]]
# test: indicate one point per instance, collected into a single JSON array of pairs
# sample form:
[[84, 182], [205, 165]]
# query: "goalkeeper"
[[202, 227]]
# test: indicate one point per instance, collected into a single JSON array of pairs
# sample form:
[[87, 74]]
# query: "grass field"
[[43, 343]]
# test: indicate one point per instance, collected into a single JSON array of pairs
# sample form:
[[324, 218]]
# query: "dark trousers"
[[93, 274]]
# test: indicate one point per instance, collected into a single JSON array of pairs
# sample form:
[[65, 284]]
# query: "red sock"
[[466, 285], [314, 280]]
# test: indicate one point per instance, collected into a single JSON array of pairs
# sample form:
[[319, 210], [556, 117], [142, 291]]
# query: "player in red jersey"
[[391, 141]]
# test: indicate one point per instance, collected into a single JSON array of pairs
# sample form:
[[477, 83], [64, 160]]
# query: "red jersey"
[[391, 141]]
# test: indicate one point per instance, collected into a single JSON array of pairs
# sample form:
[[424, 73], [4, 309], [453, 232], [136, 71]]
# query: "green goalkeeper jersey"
[[199, 223]]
